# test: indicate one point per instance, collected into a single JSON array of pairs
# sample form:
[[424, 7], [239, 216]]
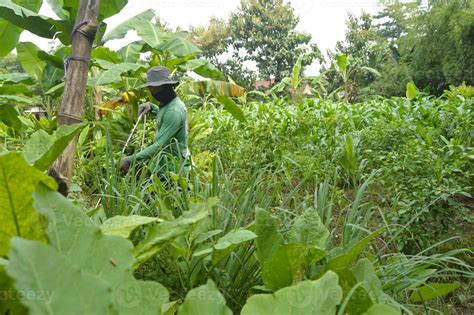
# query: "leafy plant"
[[18, 181], [321, 296]]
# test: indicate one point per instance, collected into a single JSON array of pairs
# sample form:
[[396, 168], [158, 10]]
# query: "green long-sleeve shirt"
[[171, 136]]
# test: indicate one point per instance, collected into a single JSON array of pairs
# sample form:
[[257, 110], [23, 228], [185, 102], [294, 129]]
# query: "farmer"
[[169, 153]]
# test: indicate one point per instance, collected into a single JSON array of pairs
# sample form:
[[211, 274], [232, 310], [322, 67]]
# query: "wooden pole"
[[72, 103]]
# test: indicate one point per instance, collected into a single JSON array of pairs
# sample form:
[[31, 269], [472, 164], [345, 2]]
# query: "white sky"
[[323, 19]]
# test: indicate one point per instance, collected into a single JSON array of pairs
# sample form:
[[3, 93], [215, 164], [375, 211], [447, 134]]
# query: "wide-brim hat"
[[158, 76]]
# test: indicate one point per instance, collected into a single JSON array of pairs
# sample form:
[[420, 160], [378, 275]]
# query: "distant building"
[[37, 111], [263, 84], [307, 90]]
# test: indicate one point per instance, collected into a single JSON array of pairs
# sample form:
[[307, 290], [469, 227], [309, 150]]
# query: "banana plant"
[[174, 51], [15, 17], [348, 70], [293, 83], [123, 70]]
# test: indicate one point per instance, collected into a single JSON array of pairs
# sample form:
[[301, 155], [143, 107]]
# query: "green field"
[[317, 195]]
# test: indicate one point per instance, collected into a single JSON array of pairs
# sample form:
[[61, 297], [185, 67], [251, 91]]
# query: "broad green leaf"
[[30, 62], [106, 8], [10, 304], [342, 62], [364, 271], [121, 30], [15, 77], [35, 23], [150, 298], [379, 309], [112, 74], [110, 258], [308, 297], [18, 181], [288, 265], [55, 90], [42, 149], [231, 107], [202, 67], [57, 6], [179, 47], [164, 233], [175, 62], [74, 235], [205, 299], [51, 76], [54, 284], [110, 7], [104, 64], [15, 99], [152, 34], [104, 53], [268, 238], [350, 255], [433, 290], [213, 87], [159, 236], [226, 244], [295, 74], [170, 308], [9, 36], [9, 116], [124, 225], [131, 52], [9, 33], [411, 91], [15, 89], [33, 5], [202, 237], [56, 61], [83, 136], [309, 230], [356, 298], [203, 252]]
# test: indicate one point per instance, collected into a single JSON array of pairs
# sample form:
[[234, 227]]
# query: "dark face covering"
[[165, 95]]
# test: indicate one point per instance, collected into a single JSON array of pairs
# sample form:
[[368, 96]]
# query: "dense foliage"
[[262, 33], [420, 151], [429, 42], [296, 215], [296, 203]]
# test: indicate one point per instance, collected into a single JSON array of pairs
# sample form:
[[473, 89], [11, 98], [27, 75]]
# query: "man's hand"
[[125, 163], [144, 108]]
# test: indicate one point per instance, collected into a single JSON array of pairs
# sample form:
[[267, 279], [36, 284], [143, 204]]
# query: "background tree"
[[366, 50], [430, 43], [444, 55], [10, 64], [265, 32], [213, 39]]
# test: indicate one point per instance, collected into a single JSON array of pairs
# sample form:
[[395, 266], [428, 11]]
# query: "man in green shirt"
[[169, 152]]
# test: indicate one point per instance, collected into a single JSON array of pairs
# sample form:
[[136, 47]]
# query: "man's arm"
[[172, 121]]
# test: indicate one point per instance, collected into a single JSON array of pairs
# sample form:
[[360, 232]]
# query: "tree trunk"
[[72, 103]]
